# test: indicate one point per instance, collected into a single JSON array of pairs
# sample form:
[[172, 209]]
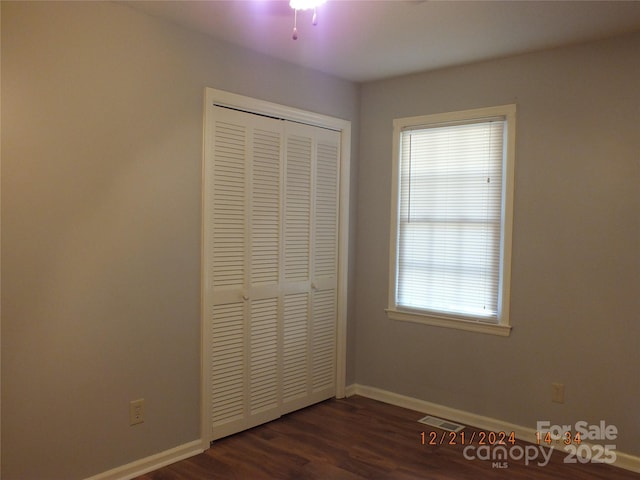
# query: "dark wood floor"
[[359, 438]]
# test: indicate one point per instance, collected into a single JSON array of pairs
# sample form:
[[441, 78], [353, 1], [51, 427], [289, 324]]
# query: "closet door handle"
[[314, 286], [245, 297]]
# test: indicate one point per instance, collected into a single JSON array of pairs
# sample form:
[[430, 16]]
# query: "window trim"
[[396, 312]]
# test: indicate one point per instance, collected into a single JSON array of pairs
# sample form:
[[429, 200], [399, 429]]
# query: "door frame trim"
[[214, 97]]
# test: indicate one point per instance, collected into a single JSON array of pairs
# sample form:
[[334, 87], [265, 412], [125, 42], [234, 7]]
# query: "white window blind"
[[450, 217]]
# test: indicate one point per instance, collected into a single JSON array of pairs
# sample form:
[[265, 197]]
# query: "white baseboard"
[[623, 460], [154, 462], [350, 390]]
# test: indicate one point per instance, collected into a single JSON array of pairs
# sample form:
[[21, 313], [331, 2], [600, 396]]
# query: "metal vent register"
[[442, 424]]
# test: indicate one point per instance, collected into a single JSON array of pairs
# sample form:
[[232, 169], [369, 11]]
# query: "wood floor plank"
[[359, 438]]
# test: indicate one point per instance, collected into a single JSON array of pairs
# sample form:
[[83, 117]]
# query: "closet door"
[[324, 278], [270, 250], [310, 265], [243, 248]]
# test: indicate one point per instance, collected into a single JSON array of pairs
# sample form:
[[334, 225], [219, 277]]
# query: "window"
[[451, 219]]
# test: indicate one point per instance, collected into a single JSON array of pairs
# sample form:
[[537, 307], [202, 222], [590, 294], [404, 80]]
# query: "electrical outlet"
[[136, 411], [557, 392]]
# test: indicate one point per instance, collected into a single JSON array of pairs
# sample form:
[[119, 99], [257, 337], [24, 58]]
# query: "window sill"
[[458, 324]]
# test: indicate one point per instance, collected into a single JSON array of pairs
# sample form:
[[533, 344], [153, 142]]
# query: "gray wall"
[[576, 243], [101, 158]]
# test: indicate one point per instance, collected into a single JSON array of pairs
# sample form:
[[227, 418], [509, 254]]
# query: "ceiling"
[[364, 40]]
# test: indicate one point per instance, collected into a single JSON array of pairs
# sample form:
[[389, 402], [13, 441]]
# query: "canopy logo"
[[499, 454]]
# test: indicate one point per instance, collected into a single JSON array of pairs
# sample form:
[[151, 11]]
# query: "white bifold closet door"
[[270, 252]]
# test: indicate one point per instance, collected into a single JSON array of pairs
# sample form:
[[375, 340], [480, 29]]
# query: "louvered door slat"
[[265, 207], [326, 212], [323, 340], [263, 356], [295, 346], [227, 358], [297, 207], [228, 206]]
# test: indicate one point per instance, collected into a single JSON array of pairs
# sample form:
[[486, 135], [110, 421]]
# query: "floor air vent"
[[440, 423]]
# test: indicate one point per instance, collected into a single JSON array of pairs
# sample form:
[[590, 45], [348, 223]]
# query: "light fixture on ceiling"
[[304, 5]]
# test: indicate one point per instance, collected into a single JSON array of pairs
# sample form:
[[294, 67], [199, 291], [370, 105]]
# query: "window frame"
[[397, 312]]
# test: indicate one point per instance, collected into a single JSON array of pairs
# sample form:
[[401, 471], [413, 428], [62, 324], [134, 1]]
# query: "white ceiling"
[[362, 40]]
